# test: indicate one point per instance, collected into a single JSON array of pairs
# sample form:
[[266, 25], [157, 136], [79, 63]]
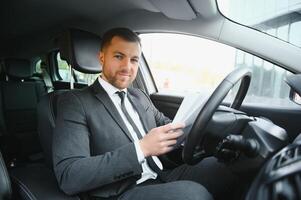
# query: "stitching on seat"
[[24, 188]]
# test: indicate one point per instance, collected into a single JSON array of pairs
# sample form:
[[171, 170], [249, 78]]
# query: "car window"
[[64, 72], [182, 63], [274, 17], [37, 68]]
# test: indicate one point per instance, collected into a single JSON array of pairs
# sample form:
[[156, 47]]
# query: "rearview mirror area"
[[295, 97], [294, 81]]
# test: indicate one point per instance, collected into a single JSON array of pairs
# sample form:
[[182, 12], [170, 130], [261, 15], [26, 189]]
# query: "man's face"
[[120, 62]]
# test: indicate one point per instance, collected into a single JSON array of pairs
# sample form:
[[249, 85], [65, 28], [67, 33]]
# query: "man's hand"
[[160, 140]]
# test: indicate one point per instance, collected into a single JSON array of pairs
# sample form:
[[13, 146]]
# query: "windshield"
[[279, 18]]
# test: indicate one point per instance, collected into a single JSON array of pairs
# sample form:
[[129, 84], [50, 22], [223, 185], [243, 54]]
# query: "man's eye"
[[134, 60], [119, 57]]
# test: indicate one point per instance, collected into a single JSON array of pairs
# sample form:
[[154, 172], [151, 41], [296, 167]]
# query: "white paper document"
[[188, 111]]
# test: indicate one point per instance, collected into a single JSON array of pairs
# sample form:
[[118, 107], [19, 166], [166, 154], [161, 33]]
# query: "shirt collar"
[[109, 88]]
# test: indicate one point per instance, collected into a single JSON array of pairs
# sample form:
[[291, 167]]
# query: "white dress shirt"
[[147, 173]]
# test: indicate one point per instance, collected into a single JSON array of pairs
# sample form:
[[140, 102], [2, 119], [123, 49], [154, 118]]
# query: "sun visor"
[[80, 49], [175, 9], [206, 9]]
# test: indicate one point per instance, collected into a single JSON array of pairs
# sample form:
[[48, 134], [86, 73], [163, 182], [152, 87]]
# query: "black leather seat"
[[46, 123], [5, 185], [79, 49], [20, 95], [37, 181]]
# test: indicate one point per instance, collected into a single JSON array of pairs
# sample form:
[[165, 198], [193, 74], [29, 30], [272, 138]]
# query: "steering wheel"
[[193, 151]]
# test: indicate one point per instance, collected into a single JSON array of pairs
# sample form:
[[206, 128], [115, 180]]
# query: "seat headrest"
[[18, 68], [5, 185], [80, 49]]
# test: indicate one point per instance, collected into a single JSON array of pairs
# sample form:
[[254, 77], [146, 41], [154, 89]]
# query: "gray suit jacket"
[[92, 148]]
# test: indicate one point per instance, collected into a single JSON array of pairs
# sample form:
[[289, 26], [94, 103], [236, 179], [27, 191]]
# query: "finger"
[[173, 135], [167, 149], [166, 127], [169, 143], [172, 126], [179, 125]]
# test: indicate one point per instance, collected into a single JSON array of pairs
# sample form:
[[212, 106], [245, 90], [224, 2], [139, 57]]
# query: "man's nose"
[[126, 63]]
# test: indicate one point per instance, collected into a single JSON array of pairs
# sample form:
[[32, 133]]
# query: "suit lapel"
[[140, 110], [102, 96]]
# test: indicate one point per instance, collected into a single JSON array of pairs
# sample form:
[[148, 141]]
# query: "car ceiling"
[[29, 26]]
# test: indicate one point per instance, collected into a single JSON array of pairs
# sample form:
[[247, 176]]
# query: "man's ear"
[[101, 57]]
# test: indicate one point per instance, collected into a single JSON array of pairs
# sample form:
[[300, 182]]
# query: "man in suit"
[[108, 136]]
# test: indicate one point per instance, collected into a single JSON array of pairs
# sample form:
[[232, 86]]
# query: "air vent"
[[287, 157], [287, 188]]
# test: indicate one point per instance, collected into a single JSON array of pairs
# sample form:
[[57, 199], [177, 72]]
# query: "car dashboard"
[[280, 177]]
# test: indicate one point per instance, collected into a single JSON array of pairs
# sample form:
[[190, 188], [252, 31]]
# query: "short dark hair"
[[124, 33]]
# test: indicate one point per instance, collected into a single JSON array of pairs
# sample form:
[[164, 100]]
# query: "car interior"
[[247, 113]]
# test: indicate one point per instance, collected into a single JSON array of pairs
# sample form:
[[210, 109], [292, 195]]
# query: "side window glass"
[[182, 63], [38, 67], [64, 72], [63, 68]]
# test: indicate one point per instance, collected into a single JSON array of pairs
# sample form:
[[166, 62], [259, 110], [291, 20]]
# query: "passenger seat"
[[20, 94], [38, 179], [79, 48]]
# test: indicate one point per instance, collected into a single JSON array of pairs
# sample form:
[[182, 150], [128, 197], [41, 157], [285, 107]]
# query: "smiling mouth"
[[124, 74]]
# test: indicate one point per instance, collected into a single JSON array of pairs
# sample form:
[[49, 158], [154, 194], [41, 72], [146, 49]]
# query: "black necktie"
[[149, 159]]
